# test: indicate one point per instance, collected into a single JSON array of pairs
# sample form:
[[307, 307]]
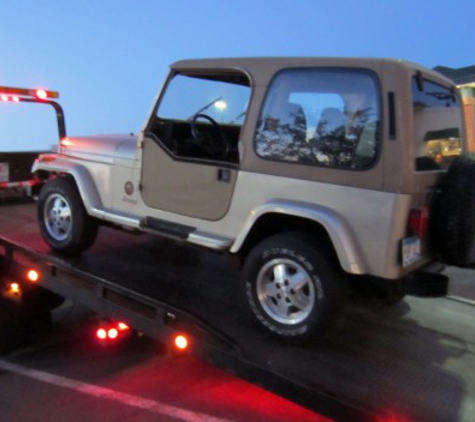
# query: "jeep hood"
[[100, 148]]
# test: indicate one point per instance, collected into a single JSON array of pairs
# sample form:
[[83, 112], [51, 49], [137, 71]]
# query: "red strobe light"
[[9, 93], [111, 331], [41, 94], [101, 334]]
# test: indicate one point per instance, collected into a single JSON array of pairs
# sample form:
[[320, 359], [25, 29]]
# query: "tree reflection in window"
[[345, 137], [284, 135]]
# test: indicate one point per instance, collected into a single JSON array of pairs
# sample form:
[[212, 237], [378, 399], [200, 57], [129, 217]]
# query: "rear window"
[[437, 125], [27, 127]]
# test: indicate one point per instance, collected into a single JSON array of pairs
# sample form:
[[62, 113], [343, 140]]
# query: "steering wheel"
[[213, 141]]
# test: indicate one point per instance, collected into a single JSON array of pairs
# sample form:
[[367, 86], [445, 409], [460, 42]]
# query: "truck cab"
[[16, 177]]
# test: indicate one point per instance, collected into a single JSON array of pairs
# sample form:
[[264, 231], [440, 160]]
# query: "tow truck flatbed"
[[411, 361]]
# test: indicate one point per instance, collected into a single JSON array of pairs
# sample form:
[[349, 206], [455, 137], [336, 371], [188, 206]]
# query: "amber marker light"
[[12, 290], [33, 276], [66, 142], [122, 326], [15, 288], [181, 342]]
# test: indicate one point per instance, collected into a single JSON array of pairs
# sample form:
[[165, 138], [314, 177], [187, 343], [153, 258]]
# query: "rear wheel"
[[63, 220], [292, 287]]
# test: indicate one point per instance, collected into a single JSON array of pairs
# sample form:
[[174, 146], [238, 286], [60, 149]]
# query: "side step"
[[166, 228], [182, 232]]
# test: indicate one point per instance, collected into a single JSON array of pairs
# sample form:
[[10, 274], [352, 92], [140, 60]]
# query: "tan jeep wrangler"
[[315, 172]]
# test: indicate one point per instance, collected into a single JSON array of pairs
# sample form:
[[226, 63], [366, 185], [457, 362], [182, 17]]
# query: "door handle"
[[224, 175]]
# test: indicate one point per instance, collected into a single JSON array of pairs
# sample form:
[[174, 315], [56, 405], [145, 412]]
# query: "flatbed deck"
[[412, 361]]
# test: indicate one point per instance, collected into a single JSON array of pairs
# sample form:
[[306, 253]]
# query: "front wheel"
[[63, 220], [292, 286]]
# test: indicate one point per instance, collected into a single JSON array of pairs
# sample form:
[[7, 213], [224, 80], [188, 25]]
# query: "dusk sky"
[[108, 58]]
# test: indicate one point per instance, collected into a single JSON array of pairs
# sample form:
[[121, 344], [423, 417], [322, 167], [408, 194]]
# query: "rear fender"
[[339, 231]]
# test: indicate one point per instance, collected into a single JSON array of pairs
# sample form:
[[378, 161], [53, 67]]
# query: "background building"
[[464, 77]]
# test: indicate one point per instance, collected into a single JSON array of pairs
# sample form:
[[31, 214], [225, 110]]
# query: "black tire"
[[298, 309], [63, 220], [453, 224]]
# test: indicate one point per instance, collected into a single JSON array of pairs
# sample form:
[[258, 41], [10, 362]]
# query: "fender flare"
[[339, 231], [84, 181]]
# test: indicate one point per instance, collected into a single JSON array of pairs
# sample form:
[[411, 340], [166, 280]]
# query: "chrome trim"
[[210, 241]]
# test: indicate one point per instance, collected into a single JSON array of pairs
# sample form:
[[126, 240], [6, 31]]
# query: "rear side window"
[[437, 123], [324, 117]]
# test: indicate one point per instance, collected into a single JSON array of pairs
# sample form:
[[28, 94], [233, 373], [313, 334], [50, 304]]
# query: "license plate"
[[411, 250]]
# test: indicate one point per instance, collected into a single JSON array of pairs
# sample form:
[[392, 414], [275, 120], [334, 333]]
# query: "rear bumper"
[[428, 282]]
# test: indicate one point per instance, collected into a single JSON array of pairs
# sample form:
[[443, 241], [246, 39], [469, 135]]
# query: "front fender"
[[55, 164], [344, 241]]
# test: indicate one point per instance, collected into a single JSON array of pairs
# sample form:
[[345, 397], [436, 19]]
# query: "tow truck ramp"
[[409, 362]]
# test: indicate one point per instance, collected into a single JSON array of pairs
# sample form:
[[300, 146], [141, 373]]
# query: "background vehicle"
[[15, 165]]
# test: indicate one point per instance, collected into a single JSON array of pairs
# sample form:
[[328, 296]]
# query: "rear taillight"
[[418, 223]]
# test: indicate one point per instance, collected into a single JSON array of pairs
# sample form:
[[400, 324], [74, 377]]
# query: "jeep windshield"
[[200, 115], [437, 125], [224, 98]]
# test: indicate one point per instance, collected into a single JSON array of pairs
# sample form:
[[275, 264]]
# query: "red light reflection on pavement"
[[193, 384], [393, 417]]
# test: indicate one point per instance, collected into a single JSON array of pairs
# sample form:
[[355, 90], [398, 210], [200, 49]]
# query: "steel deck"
[[411, 361]]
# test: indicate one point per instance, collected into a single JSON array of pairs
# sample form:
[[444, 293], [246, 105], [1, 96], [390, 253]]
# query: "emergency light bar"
[[8, 93], [38, 96]]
